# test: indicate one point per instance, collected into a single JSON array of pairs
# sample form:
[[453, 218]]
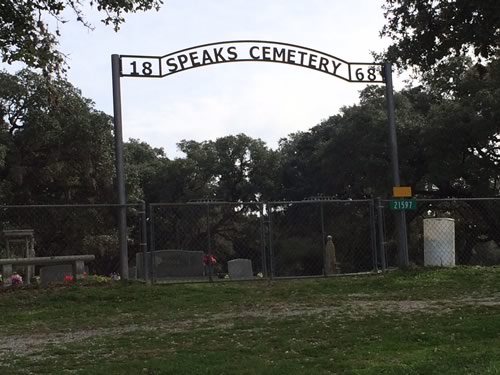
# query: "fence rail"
[[208, 241]]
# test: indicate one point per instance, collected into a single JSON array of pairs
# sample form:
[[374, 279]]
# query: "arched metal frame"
[[139, 66], [245, 51]]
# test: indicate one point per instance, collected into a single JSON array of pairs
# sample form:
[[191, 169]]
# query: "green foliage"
[[447, 137], [426, 33], [143, 168], [461, 137], [25, 34], [57, 147], [347, 155], [232, 168]]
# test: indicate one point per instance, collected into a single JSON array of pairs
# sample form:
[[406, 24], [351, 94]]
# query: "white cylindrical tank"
[[439, 242]]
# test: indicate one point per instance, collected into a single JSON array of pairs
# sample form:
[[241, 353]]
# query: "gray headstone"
[[172, 264], [240, 269], [55, 274]]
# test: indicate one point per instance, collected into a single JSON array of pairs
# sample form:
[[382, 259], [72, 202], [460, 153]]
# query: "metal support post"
[[323, 237], [144, 242], [271, 250], [151, 243], [400, 217], [263, 240], [120, 174], [380, 226], [209, 240], [373, 240]]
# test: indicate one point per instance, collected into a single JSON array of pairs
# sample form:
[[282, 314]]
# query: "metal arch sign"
[[249, 51], [243, 51]]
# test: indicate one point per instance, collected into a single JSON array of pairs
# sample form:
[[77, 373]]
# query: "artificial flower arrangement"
[[16, 279], [209, 260], [68, 279]]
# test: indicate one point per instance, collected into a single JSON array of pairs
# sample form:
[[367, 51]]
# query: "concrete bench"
[[77, 261]]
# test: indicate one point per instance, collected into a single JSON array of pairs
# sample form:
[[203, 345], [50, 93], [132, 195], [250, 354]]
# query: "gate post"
[[373, 242], [400, 216], [120, 174], [209, 243], [151, 243], [144, 242], [380, 225], [271, 250]]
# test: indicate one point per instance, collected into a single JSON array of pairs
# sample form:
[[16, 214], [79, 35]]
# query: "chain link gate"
[[281, 239]]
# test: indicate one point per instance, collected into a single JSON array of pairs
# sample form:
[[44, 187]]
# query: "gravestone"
[[239, 269], [172, 264], [56, 274]]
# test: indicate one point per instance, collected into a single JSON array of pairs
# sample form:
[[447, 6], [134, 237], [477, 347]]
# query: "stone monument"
[[20, 243], [330, 257]]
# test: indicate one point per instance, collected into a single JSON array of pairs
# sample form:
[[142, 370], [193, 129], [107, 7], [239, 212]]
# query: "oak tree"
[[26, 35], [425, 33]]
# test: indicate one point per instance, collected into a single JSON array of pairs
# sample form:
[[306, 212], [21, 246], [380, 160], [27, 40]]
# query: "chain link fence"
[[280, 239], [447, 232], [217, 232], [299, 230], [201, 240], [59, 230]]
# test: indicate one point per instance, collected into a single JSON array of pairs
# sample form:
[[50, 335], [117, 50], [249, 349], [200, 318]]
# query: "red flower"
[[209, 259], [68, 278]]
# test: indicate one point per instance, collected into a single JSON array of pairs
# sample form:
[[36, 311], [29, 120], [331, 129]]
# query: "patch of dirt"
[[22, 345], [31, 344]]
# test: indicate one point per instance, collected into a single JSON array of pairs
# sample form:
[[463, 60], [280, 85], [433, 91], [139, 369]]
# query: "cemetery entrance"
[[136, 66]]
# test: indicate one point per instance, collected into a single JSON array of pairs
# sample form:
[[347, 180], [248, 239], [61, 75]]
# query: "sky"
[[266, 101]]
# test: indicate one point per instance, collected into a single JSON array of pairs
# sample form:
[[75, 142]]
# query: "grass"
[[415, 322]]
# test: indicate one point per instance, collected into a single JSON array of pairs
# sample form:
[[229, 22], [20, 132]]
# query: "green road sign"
[[403, 204]]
